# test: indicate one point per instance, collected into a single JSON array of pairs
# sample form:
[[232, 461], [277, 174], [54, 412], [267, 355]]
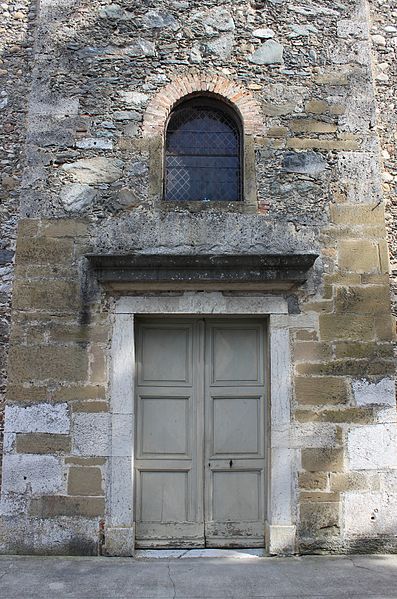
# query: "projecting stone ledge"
[[197, 272]]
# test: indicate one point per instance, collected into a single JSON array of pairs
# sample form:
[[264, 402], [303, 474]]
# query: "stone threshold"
[[195, 553]]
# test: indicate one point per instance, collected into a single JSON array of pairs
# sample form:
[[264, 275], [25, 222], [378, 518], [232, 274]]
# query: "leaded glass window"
[[203, 153]]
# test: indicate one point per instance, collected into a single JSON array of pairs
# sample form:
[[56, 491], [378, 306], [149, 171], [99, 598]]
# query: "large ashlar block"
[[36, 474], [371, 299], [48, 363], [370, 514], [43, 250], [321, 390], [346, 326], [85, 481], [39, 418], [372, 447], [358, 255]]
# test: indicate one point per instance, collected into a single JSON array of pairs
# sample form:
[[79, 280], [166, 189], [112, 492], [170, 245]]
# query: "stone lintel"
[[245, 272]]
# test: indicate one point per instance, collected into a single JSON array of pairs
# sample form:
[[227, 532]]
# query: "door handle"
[[231, 463]]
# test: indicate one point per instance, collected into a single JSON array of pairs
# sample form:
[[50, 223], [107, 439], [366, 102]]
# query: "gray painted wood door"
[[200, 433]]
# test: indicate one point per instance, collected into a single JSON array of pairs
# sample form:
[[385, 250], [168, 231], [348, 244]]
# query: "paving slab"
[[225, 577]]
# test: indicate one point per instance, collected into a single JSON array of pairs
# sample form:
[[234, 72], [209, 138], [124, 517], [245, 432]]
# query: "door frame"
[[282, 457]]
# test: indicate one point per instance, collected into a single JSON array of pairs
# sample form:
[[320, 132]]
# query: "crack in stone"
[[171, 580]]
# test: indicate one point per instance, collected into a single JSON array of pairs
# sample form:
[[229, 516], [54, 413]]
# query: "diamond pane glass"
[[202, 156]]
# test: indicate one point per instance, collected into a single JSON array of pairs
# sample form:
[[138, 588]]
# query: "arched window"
[[203, 152]]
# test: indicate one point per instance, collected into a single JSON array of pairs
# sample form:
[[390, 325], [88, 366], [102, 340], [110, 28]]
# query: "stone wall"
[[92, 183], [16, 20]]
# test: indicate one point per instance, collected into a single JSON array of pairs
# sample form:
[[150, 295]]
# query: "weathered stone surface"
[[358, 255], [343, 326], [321, 390], [48, 363], [306, 163], [94, 170], [36, 474], [319, 519], [91, 434], [372, 447], [43, 251], [322, 459], [271, 52], [370, 514], [221, 46], [114, 12], [154, 19], [381, 393], [134, 99], [263, 33], [374, 299], [85, 481], [39, 418], [94, 143], [60, 296], [52, 506], [313, 481], [216, 19], [39, 443]]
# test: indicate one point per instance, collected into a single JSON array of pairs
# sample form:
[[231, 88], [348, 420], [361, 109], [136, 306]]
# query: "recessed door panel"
[[200, 429]]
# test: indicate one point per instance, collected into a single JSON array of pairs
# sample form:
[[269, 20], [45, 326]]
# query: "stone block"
[[40, 443], [312, 351], [316, 497], [42, 250], [311, 126], [48, 363], [54, 506], [51, 295], [28, 473], [25, 394], [385, 327], [119, 542], [370, 351], [321, 107], [85, 481], [322, 459], [91, 434], [358, 255], [346, 326], [78, 393], [98, 371], [319, 519], [300, 143], [313, 481], [357, 214], [90, 406], [344, 415], [369, 299], [92, 171], [372, 447], [39, 418], [380, 393], [354, 481], [65, 227], [76, 461], [321, 390], [347, 367], [370, 514]]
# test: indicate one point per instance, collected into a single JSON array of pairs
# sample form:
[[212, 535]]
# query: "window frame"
[[216, 104]]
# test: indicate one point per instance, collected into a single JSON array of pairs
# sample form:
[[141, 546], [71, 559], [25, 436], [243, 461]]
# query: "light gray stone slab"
[[32, 474], [271, 52], [370, 514], [382, 393], [39, 418], [90, 435], [372, 447], [94, 170], [76, 197]]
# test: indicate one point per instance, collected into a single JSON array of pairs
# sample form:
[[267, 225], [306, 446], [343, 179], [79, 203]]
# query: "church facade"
[[201, 345]]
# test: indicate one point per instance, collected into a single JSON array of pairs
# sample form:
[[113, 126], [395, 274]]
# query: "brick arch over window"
[[163, 102]]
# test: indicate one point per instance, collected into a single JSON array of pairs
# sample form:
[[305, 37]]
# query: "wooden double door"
[[200, 433]]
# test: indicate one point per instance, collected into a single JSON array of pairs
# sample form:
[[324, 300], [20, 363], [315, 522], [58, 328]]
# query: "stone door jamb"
[[281, 459]]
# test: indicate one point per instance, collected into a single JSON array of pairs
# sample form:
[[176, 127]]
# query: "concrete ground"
[[241, 576]]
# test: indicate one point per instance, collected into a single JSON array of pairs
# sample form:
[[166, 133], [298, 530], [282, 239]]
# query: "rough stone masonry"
[[89, 120]]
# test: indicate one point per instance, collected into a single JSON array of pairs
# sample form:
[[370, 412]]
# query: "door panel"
[[200, 433], [235, 425], [168, 465]]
